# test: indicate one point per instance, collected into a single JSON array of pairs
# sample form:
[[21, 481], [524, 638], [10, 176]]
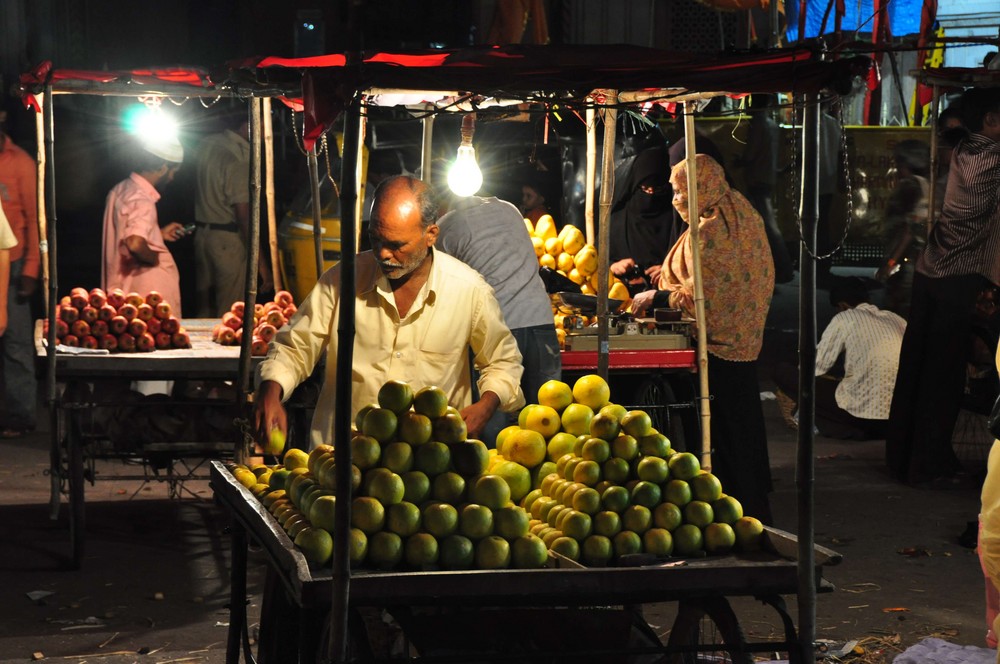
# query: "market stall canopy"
[[545, 74], [958, 77], [173, 81]]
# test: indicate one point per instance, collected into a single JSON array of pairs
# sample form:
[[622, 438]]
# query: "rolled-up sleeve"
[[299, 344], [496, 354]]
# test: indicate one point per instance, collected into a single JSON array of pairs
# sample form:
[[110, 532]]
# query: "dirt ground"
[[154, 583]]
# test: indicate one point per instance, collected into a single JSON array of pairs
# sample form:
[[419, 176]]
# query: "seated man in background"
[[857, 404]]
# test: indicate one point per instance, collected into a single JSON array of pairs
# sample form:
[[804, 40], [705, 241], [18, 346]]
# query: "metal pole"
[[349, 191], [253, 256], [40, 166], [804, 476], [316, 210], [932, 189], [604, 232], [50, 351], [588, 206], [694, 219], [426, 151], [272, 214], [775, 18]]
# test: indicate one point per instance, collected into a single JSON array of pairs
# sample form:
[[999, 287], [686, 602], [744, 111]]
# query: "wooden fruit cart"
[[78, 444], [586, 81], [297, 598]]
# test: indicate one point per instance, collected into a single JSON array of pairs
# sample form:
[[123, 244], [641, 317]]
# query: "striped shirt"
[[966, 239], [870, 339]]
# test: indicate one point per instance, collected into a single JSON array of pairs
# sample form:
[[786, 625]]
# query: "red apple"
[[145, 343], [229, 319], [65, 301], [128, 311], [89, 341], [118, 325], [98, 298], [144, 312], [126, 342], [162, 310], [71, 340], [80, 328], [239, 336], [137, 328], [116, 298], [62, 328], [258, 310], [45, 327], [238, 309], [258, 346], [153, 326], [181, 339], [109, 342], [267, 332], [107, 312], [227, 337], [153, 298], [99, 328], [170, 325], [162, 340], [215, 331], [275, 317], [69, 313], [289, 311], [79, 298], [89, 314], [135, 299], [284, 298]]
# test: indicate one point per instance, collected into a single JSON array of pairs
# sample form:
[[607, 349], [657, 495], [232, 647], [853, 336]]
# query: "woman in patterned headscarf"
[[738, 280]]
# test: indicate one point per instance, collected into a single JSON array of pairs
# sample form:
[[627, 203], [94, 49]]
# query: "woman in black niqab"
[[641, 219]]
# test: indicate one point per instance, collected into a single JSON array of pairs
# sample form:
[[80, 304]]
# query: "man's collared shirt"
[[966, 239], [455, 310], [871, 339], [223, 177]]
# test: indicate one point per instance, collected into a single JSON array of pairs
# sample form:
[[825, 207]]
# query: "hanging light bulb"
[[464, 177]]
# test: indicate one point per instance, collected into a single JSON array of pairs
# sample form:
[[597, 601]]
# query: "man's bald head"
[[405, 191]]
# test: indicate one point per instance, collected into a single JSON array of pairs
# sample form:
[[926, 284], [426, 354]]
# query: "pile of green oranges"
[[611, 485], [578, 475]]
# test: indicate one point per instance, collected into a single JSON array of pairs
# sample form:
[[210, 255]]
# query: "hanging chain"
[[329, 168], [210, 104], [795, 191]]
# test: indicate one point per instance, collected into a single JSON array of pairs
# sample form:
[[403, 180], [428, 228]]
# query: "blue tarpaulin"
[[904, 17]]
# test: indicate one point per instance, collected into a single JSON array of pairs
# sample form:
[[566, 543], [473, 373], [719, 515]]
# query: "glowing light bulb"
[[464, 177]]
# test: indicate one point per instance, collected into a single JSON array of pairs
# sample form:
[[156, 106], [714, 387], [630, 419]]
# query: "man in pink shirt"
[[136, 257]]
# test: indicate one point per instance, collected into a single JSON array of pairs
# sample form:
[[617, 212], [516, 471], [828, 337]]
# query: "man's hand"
[[642, 301], [618, 268], [269, 412], [26, 286], [478, 414], [173, 231]]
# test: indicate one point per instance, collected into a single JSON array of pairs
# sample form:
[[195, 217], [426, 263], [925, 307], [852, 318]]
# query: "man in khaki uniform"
[[222, 218]]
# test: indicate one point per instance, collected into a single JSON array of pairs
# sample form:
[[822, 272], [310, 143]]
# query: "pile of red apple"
[[117, 321], [267, 320]]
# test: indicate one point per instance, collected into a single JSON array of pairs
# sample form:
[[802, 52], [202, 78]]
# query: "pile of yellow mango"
[[568, 253]]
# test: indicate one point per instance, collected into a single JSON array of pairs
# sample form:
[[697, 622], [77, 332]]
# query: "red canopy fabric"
[[526, 70]]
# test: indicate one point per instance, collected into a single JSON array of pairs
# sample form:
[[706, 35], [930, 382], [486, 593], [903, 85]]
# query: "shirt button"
[[398, 354]]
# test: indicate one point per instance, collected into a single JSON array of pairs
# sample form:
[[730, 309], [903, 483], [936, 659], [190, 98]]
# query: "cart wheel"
[[706, 622], [74, 454], [654, 395]]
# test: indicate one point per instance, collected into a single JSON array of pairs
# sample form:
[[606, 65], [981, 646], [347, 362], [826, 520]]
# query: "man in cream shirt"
[[418, 312]]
